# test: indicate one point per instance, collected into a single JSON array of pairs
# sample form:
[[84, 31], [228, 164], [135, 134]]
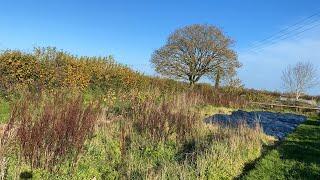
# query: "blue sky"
[[132, 30]]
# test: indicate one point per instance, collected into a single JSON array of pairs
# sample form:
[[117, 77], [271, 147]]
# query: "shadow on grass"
[[251, 165], [312, 123], [304, 144], [303, 152]]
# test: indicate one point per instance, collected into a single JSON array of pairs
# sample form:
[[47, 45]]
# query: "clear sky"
[[132, 30]]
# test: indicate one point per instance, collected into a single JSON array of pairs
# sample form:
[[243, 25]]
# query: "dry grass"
[[161, 120]]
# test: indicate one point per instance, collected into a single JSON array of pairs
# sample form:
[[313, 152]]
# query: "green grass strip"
[[298, 157]]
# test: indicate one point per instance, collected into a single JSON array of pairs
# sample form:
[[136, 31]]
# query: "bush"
[[18, 70]]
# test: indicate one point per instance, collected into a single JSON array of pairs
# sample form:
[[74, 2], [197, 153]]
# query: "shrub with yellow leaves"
[[49, 68], [18, 69]]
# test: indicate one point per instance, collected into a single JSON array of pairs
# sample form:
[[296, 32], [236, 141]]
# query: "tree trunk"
[[217, 81], [192, 81], [191, 84], [297, 96]]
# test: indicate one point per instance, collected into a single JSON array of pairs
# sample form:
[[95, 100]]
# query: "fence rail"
[[286, 106]]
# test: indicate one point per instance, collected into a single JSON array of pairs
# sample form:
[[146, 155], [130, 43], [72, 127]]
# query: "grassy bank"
[[298, 157], [146, 135]]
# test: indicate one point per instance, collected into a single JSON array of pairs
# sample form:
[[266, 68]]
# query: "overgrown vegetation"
[[144, 135], [64, 116], [57, 131]]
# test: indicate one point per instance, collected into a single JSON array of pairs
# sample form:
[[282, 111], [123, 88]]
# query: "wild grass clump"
[[230, 149], [166, 118], [52, 131]]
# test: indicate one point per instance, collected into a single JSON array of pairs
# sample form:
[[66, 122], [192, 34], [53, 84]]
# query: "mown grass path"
[[297, 157]]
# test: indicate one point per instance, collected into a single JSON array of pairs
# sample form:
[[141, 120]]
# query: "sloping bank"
[[297, 156]]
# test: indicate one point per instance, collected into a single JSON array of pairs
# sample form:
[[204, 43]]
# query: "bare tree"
[[299, 78], [192, 52]]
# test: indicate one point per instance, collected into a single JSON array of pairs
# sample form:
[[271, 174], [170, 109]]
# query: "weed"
[[56, 132]]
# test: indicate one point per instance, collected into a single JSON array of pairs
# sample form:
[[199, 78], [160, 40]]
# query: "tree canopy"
[[194, 51]]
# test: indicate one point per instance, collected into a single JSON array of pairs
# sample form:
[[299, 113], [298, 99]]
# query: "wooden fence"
[[297, 108]]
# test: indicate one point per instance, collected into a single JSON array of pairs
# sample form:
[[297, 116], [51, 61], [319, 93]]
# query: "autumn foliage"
[[49, 68]]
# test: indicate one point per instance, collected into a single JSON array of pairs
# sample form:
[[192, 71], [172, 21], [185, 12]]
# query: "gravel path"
[[274, 124]]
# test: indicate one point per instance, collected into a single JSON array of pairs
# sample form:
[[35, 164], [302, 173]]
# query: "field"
[[92, 118]]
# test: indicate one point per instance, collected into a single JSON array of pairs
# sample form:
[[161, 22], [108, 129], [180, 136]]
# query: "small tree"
[[192, 52], [299, 78]]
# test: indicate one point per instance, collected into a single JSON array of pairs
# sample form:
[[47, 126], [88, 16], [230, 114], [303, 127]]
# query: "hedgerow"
[[50, 69]]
